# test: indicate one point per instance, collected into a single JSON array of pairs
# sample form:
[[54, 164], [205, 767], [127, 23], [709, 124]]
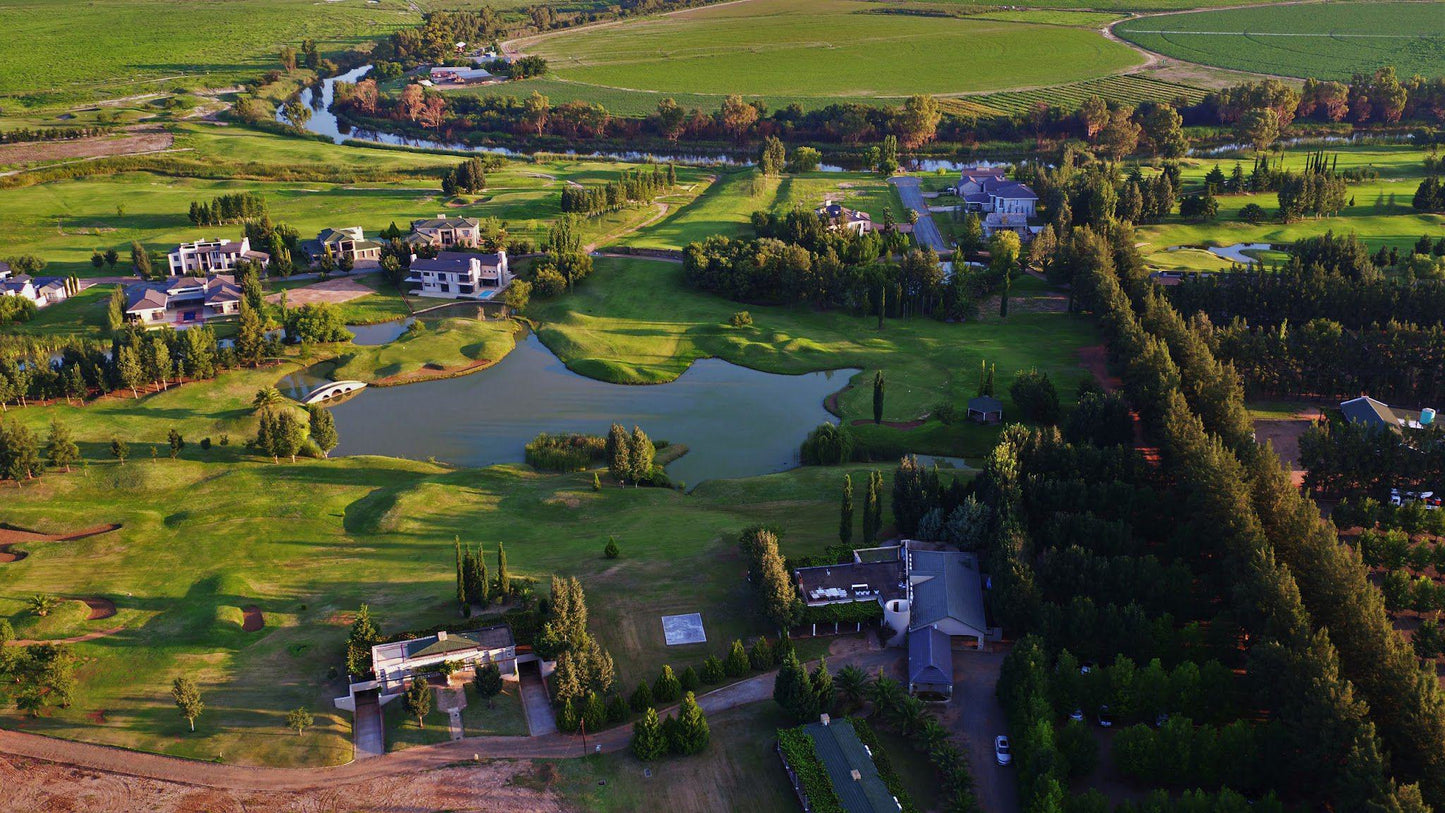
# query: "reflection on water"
[[736, 422], [382, 333]]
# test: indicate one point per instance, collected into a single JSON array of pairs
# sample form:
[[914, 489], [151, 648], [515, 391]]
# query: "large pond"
[[735, 421]]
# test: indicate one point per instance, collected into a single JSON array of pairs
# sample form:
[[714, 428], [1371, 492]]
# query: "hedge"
[[802, 758], [857, 612]]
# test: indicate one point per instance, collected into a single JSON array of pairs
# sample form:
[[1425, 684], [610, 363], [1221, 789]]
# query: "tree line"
[[229, 208], [633, 186]]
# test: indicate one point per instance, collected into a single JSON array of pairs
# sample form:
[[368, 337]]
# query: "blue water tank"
[[1427, 416]]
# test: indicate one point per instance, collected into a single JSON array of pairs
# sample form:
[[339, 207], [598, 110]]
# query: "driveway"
[[925, 231], [540, 717], [976, 717], [368, 739]]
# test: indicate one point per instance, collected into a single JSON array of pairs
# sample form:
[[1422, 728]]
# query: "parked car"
[[1106, 720], [1077, 715], [1001, 750]]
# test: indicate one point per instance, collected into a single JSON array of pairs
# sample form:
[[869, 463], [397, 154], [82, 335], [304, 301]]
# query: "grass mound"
[[66, 619]]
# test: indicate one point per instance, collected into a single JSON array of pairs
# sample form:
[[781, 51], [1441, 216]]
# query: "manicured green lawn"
[[635, 321], [826, 48], [430, 347], [82, 316], [505, 719], [1380, 213]]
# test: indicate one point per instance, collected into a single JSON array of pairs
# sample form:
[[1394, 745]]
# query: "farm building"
[[1366, 410], [450, 75]]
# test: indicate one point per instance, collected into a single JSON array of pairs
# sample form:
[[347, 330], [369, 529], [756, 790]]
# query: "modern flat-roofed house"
[[183, 301], [40, 290], [395, 664], [213, 256], [1366, 410], [445, 232], [348, 243], [849, 766], [459, 275], [837, 216]]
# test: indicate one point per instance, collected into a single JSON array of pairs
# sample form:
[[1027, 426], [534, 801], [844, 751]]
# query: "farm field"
[[824, 48], [1325, 41], [1132, 89], [1381, 213]]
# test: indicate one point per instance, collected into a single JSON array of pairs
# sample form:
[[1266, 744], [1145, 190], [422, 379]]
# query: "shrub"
[[611, 551], [548, 283], [741, 319], [828, 445], [712, 670], [689, 680], [569, 452], [1253, 213], [1035, 396]]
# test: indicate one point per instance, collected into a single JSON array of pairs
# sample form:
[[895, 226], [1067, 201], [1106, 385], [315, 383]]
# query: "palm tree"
[[885, 693], [931, 734], [911, 713], [851, 683], [42, 603], [266, 397]]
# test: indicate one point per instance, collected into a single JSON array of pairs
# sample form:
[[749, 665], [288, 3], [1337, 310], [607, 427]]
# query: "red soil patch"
[[139, 140], [10, 537], [252, 620], [1095, 359], [99, 607]]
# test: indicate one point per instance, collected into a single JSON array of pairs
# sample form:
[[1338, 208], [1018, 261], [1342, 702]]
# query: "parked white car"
[[1001, 750]]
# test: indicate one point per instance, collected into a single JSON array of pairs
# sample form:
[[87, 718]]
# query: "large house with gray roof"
[[444, 232], [183, 301], [924, 592], [460, 275], [343, 244], [1005, 205], [40, 290]]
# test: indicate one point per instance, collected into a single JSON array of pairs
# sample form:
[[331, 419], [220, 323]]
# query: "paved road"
[[421, 758], [925, 231], [977, 717]]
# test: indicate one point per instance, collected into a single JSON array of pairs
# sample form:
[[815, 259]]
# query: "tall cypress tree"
[[504, 581], [479, 575], [871, 518], [461, 580], [845, 519], [878, 397]]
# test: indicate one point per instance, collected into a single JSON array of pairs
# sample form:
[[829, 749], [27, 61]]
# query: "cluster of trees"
[[434, 41], [1179, 753], [35, 676], [634, 186], [474, 586], [230, 208], [20, 135], [1348, 698], [315, 323], [470, 176], [23, 456], [776, 599], [585, 672], [1429, 195], [682, 734], [1344, 458], [136, 358], [16, 309], [279, 434], [563, 263], [630, 456]]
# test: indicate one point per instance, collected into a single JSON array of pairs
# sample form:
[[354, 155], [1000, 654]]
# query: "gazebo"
[[985, 409]]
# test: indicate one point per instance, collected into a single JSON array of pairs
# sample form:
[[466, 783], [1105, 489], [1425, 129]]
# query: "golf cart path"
[[421, 758]]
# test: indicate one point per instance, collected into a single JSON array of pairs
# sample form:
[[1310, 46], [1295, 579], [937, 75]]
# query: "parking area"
[[976, 717]]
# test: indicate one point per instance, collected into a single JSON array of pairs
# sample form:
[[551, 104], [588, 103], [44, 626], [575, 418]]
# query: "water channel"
[[736, 422]]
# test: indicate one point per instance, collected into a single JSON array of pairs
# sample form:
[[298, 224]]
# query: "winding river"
[[735, 421]]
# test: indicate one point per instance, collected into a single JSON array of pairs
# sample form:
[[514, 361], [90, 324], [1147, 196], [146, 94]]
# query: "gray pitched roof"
[[946, 585], [498, 637], [985, 403], [1367, 410], [841, 752], [930, 657], [446, 223]]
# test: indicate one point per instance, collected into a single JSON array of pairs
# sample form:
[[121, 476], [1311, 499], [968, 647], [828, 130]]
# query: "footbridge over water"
[[335, 389]]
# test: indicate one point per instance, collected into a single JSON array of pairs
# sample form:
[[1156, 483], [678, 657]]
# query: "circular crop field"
[[780, 49], [1325, 41]]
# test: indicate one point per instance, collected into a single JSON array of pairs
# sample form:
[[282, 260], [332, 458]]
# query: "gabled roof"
[[1367, 410], [5, 269], [946, 585], [930, 657], [431, 646], [841, 753], [1013, 190]]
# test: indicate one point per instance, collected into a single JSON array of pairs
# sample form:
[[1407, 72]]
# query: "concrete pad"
[[683, 629]]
